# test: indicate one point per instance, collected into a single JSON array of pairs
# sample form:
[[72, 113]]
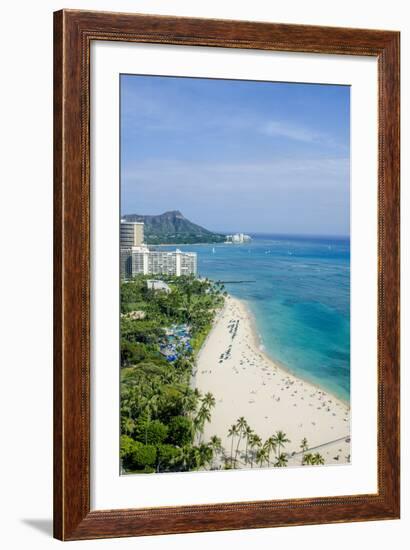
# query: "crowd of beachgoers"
[[247, 383]]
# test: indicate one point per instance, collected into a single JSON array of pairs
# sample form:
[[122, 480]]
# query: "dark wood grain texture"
[[73, 33]]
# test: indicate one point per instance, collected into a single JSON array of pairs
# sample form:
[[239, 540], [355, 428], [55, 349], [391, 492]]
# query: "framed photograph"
[[226, 275]]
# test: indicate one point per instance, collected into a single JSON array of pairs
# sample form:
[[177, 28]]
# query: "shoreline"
[[259, 344], [246, 381]]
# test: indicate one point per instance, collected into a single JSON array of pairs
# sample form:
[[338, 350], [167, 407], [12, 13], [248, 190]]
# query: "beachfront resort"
[[198, 392], [137, 258]]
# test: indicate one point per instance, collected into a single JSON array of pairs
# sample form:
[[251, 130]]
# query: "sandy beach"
[[246, 382]]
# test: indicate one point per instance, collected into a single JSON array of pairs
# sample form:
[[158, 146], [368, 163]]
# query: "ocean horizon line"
[[294, 235], [337, 236]]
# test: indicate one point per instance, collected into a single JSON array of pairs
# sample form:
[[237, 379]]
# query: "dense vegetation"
[[162, 416], [173, 228]]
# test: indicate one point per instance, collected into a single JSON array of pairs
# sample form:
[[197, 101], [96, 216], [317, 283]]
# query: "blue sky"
[[237, 155]]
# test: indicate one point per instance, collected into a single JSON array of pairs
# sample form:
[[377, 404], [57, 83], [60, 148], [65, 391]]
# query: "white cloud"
[[291, 131], [215, 173]]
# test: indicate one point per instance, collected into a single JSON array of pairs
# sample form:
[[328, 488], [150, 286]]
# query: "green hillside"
[[173, 228]]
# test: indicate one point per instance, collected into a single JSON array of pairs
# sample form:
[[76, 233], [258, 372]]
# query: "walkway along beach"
[[247, 383]]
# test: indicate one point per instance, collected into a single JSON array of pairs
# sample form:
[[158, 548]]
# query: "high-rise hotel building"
[[136, 258], [131, 234]]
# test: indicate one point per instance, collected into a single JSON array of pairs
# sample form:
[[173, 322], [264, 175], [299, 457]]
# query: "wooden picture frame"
[[74, 32]]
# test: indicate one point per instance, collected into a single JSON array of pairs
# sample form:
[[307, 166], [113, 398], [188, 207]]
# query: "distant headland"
[[173, 228]]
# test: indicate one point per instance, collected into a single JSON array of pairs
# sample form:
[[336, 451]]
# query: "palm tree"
[[185, 457], [270, 445], [151, 407], [171, 377], [216, 445], [281, 461], [241, 425], [204, 415], [203, 455], [233, 431], [209, 400], [248, 434], [255, 442], [304, 445], [318, 459], [307, 459], [189, 401], [261, 456], [127, 425], [192, 308], [127, 422], [280, 440]]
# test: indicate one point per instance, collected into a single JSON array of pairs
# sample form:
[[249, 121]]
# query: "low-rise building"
[[136, 258], [135, 315], [155, 284], [238, 238]]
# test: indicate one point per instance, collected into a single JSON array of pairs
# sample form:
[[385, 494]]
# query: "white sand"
[[245, 382]]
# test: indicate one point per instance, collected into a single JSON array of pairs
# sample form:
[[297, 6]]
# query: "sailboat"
[[213, 250]]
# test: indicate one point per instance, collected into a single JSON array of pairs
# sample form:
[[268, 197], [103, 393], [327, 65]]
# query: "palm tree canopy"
[[270, 444], [233, 430], [255, 440], [318, 459], [281, 438], [307, 459], [241, 424], [216, 443], [209, 400], [304, 445], [261, 456], [281, 461], [248, 431]]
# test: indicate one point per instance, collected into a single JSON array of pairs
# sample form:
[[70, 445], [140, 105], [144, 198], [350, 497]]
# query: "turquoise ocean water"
[[300, 299]]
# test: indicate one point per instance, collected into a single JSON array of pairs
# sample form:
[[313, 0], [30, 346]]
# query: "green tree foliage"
[[143, 455], [167, 457], [163, 418], [136, 455], [127, 446], [280, 441], [310, 459], [141, 330], [161, 415], [153, 432], [180, 431], [132, 352], [281, 461], [173, 228]]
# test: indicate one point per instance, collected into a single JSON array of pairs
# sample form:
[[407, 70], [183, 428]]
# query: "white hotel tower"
[[136, 258]]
